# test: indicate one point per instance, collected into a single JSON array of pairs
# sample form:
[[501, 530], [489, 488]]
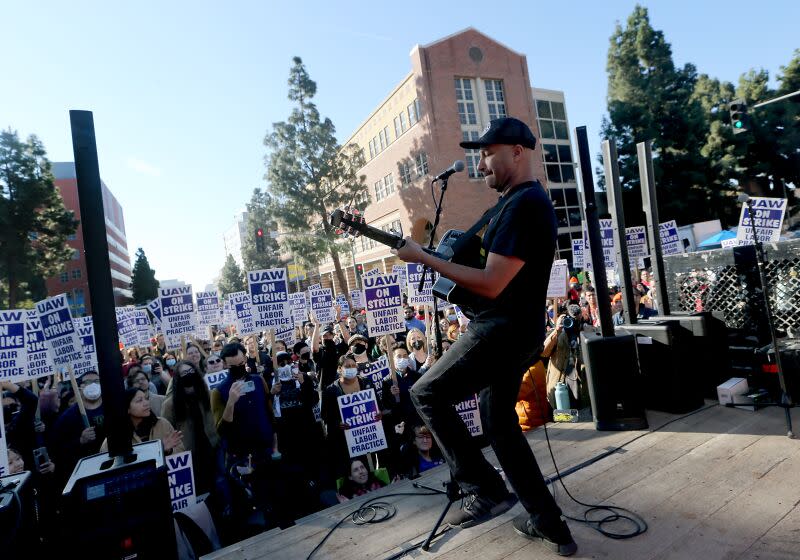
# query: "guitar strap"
[[462, 241]]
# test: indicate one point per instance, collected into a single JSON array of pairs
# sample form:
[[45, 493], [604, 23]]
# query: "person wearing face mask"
[[411, 321], [155, 371], [70, 439], [295, 398], [187, 407], [358, 346], [348, 382], [326, 352], [400, 411], [417, 348]]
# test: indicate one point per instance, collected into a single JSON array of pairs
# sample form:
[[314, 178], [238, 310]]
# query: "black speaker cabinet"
[[615, 382], [671, 376], [120, 509], [708, 347], [17, 516]]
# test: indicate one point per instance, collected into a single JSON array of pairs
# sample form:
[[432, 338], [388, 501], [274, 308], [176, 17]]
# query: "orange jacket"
[[532, 406]]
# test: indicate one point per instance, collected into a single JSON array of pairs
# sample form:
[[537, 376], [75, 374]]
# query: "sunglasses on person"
[[187, 371], [214, 360], [305, 355]]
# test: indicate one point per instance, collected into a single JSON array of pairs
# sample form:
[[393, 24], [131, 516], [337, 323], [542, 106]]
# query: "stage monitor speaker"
[[670, 371], [119, 508], [17, 516], [615, 382], [708, 347]]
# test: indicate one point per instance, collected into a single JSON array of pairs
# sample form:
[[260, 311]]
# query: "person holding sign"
[[519, 243]]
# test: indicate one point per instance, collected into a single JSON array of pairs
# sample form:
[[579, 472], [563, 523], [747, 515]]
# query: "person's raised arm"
[[315, 337]]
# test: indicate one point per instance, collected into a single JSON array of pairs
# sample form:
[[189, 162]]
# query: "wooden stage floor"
[[720, 484]]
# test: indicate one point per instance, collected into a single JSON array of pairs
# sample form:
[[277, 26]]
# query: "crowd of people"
[[268, 442]]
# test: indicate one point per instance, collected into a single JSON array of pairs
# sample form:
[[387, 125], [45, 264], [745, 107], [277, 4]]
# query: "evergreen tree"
[[650, 99], [310, 175], [231, 277], [143, 281], [34, 225], [259, 215]]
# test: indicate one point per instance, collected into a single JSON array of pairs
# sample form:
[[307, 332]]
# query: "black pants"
[[494, 369]]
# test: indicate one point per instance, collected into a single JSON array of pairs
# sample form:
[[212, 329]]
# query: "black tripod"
[[785, 399], [453, 492]]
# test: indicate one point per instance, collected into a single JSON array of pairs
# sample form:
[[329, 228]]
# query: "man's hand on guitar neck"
[[488, 282]]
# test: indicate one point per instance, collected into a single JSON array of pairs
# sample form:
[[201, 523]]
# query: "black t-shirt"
[[525, 228]]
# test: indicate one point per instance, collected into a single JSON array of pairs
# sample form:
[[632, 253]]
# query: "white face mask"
[[284, 373], [92, 391], [350, 373], [402, 363]]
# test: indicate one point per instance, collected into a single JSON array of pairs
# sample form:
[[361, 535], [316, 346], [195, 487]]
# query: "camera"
[[248, 386], [567, 322]]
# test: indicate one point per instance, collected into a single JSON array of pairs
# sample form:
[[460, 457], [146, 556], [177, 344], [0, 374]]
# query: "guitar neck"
[[383, 237]]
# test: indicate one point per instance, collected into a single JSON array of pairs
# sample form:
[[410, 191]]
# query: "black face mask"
[[417, 345], [359, 348], [238, 371], [330, 343]]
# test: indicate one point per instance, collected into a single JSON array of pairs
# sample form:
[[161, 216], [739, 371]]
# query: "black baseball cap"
[[507, 130]]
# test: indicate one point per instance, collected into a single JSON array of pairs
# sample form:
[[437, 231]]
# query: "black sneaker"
[[477, 509], [557, 538]]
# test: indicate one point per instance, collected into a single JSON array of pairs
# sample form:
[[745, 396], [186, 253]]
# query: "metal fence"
[[727, 281]]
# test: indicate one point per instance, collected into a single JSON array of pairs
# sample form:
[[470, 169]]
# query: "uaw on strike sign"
[[269, 299], [364, 430], [384, 304], [177, 314]]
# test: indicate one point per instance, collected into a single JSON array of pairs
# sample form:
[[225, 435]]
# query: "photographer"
[[562, 345]]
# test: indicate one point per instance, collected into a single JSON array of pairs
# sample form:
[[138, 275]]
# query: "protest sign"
[[559, 273], [734, 243], [578, 254], [315, 286], [227, 314], [154, 307], [372, 272], [13, 346], [384, 305], [38, 358], [208, 312], [3, 450], [143, 327], [241, 313], [768, 214], [126, 327], [471, 415], [63, 342], [414, 275], [607, 240], [322, 304], [341, 301], [177, 313], [297, 304], [636, 240], [85, 329], [269, 299], [214, 380], [182, 491], [376, 372], [286, 335], [364, 432], [357, 297], [400, 270], [670, 241]]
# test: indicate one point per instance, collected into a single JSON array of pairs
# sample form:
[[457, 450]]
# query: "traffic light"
[[740, 121], [259, 240], [360, 269]]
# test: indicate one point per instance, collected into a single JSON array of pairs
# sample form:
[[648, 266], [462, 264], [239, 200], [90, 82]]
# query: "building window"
[[382, 138], [362, 198], [384, 187], [367, 243], [72, 237], [393, 227], [403, 122], [472, 157], [405, 173], [76, 274], [371, 150], [421, 163], [386, 134], [76, 302], [558, 163], [64, 277], [552, 120], [76, 255], [412, 114], [495, 99], [465, 101], [397, 131], [418, 108]]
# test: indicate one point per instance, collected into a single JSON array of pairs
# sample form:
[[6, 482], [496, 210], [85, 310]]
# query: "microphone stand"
[[785, 400], [425, 269]]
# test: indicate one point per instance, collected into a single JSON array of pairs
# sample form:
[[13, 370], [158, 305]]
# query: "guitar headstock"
[[348, 221]]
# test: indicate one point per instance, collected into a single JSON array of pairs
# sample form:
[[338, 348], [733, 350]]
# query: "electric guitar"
[[351, 223]]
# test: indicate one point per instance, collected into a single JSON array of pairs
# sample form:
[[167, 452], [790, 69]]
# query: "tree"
[[34, 225], [650, 99], [143, 282], [309, 175], [259, 216], [231, 277]]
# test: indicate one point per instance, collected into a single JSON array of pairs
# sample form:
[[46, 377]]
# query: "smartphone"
[[248, 386], [41, 457]]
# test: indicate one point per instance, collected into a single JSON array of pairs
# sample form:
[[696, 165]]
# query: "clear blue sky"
[[183, 92]]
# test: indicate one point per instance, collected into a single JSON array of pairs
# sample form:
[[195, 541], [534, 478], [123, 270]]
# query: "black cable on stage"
[[371, 511]]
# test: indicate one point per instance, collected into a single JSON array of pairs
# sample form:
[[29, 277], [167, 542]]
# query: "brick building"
[[73, 280], [456, 85]]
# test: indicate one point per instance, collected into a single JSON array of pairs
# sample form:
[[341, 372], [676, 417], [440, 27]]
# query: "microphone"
[[457, 166], [744, 197]]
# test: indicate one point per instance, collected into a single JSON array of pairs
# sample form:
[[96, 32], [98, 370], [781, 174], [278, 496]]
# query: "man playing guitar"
[[491, 358]]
